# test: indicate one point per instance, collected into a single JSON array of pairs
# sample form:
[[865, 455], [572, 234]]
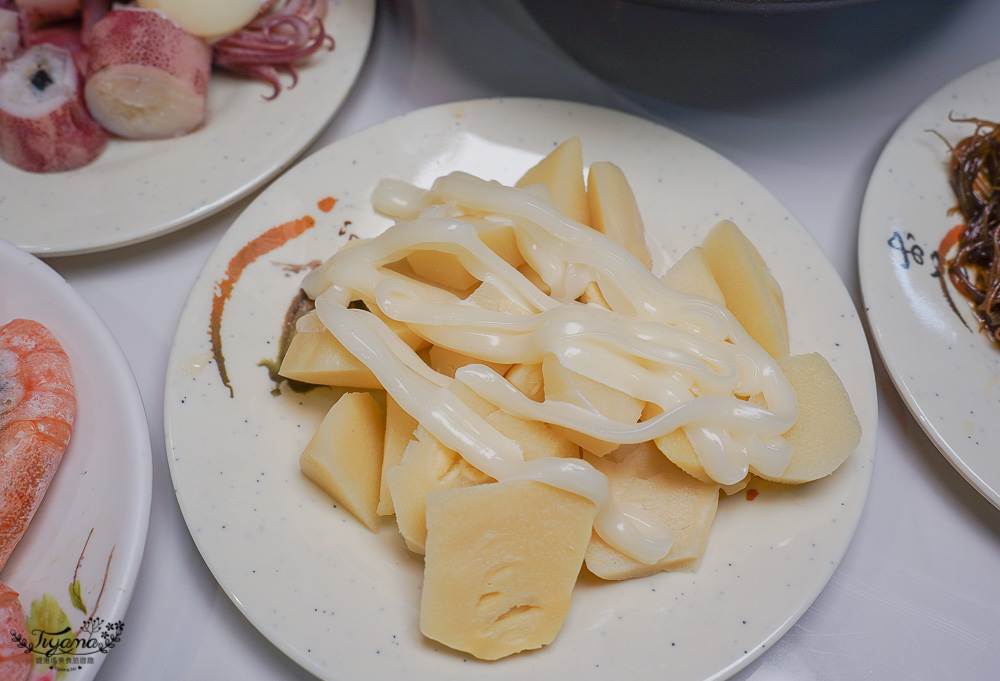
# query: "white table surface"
[[918, 594]]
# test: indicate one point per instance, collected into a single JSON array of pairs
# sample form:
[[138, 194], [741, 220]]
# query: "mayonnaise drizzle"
[[419, 391], [684, 353]]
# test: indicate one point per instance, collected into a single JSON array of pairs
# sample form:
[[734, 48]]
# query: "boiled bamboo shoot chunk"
[[344, 456], [568, 386], [402, 330], [562, 172], [427, 465], [490, 297], [472, 399], [614, 211], [827, 430], [592, 296], [316, 356], [528, 379], [535, 279], [693, 275], [641, 477], [751, 292], [399, 427], [442, 269], [500, 580], [677, 448], [447, 362], [535, 438], [500, 239]]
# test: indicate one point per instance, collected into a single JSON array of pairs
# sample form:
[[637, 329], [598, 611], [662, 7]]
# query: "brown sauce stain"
[[301, 305], [265, 243]]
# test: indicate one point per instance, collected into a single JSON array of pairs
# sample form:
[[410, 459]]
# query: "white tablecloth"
[[918, 594]]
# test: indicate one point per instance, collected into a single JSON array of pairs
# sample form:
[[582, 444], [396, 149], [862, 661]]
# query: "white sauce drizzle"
[[684, 353]]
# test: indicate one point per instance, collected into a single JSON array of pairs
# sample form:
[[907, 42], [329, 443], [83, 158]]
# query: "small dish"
[[91, 525], [140, 189], [343, 602], [946, 371]]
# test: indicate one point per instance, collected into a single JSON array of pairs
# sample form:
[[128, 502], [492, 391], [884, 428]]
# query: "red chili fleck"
[[752, 494]]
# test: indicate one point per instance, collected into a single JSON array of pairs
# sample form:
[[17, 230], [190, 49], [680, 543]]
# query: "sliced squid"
[[48, 11], [64, 35], [148, 77], [44, 123], [12, 30], [91, 11]]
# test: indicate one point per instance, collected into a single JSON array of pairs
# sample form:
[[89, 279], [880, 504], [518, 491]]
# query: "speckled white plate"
[[947, 372], [343, 602], [102, 488], [138, 190]]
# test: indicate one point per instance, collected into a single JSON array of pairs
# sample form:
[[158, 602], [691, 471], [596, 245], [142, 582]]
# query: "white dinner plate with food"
[[946, 369], [342, 601], [140, 189], [90, 529]]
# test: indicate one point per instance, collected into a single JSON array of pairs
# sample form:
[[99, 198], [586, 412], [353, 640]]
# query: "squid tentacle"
[[275, 42]]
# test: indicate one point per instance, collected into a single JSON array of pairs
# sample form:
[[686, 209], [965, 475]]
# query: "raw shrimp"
[[37, 406], [15, 662]]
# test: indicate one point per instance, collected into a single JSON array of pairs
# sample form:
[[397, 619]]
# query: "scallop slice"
[[210, 20]]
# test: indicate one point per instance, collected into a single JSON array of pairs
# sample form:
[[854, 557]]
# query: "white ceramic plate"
[[103, 485], [343, 602], [137, 190], [947, 372]]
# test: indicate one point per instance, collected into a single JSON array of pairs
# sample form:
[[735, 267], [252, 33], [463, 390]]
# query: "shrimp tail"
[[15, 661]]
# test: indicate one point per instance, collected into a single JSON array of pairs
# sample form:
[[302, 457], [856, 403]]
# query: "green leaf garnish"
[[76, 597], [50, 632]]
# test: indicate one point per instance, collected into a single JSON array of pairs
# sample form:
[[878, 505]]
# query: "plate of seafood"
[[119, 127], [389, 413], [926, 248], [76, 477]]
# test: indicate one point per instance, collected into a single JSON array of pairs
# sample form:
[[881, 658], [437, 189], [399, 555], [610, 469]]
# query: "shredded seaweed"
[[973, 267]]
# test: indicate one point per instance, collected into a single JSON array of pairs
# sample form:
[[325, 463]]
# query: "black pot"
[[747, 6], [723, 52]]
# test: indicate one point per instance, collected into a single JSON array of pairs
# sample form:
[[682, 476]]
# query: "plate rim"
[[129, 550], [260, 177], [869, 263], [869, 387]]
